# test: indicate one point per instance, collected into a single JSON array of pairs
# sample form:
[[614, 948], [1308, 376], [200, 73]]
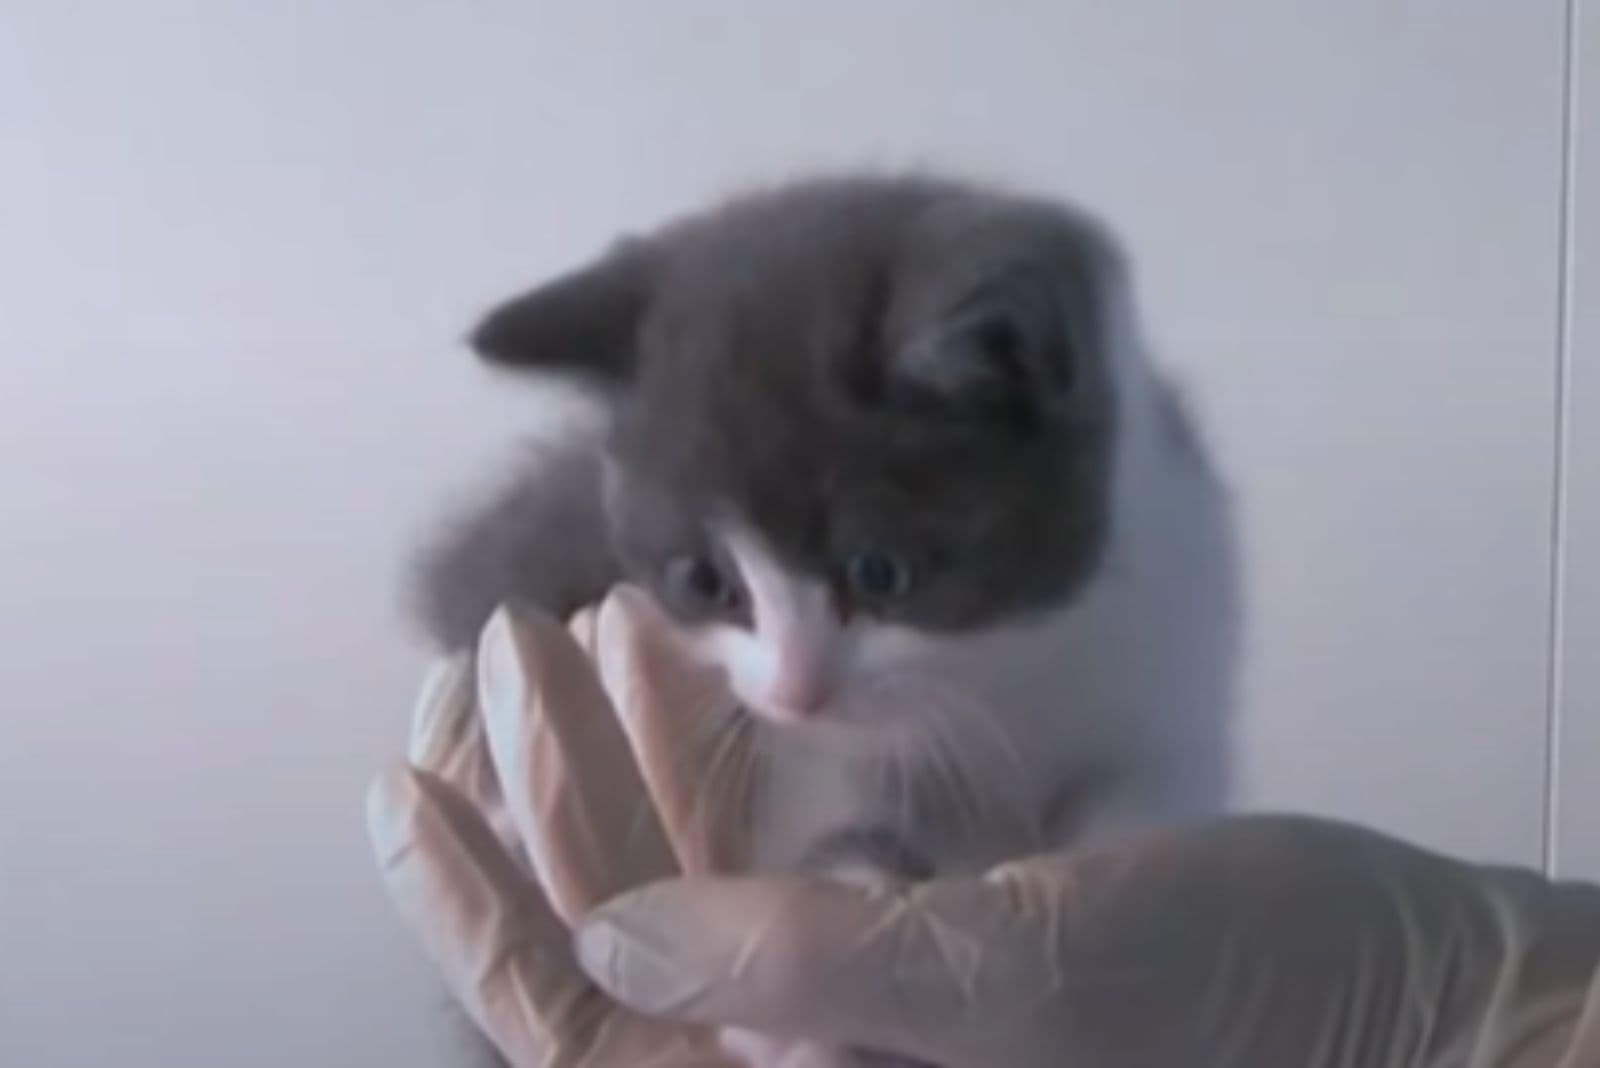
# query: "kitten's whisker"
[[1004, 744], [716, 772], [686, 763], [953, 774], [723, 799], [751, 767], [897, 787], [735, 810]]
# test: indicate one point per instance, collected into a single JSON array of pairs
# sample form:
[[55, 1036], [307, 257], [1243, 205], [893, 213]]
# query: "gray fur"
[[539, 540], [814, 358]]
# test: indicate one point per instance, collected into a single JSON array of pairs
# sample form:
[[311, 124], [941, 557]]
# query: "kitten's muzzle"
[[797, 696]]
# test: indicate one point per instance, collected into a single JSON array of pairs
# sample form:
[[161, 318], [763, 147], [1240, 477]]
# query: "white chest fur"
[[970, 741]]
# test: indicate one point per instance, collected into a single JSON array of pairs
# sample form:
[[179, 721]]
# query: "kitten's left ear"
[[585, 322], [1013, 348]]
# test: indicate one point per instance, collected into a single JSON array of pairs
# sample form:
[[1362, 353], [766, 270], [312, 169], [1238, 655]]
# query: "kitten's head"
[[846, 413]]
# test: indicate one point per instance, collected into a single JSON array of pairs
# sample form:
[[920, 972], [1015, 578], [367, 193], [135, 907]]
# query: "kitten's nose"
[[797, 696]]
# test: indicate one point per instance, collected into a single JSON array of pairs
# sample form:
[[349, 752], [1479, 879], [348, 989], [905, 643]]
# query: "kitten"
[[891, 452]]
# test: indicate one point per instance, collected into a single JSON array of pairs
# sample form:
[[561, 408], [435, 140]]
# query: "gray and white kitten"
[[892, 453]]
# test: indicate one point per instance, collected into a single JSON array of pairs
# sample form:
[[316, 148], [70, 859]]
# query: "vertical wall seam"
[[1556, 626]]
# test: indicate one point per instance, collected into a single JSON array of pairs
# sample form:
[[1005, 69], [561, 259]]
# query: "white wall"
[[238, 243]]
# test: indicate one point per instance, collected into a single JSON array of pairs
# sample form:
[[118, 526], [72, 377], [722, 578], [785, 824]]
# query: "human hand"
[[504, 828], [1257, 942]]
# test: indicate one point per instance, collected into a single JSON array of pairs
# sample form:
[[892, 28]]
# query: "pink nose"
[[798, 697]]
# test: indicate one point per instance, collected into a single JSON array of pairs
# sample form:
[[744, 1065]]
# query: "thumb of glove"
[[941, 972]]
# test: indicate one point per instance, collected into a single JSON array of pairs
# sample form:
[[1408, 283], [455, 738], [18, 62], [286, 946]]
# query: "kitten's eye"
[[698, 582], [877, 575]]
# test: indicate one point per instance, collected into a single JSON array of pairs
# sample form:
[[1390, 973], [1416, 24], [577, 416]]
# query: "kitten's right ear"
[[585, 322]]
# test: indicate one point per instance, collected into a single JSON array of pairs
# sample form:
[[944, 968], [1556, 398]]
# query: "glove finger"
[[842, 964], [503, 952], [933, 973], [584, 626], [442, 715], [447, 738], [501, 949], [566, 768], [692, 742]]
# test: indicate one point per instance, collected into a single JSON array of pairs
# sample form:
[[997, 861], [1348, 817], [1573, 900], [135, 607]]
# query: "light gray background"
[[239, 243]]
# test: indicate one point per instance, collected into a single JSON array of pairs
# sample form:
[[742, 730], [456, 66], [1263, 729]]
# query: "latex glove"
[[502, 829], [1256, 943]]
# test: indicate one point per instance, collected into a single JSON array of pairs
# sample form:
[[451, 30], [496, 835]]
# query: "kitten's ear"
[[1009, 350], [585, 322]]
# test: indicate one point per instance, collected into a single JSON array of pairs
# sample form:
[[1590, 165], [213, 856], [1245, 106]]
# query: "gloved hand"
[[1254, 943], [503, 828]]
